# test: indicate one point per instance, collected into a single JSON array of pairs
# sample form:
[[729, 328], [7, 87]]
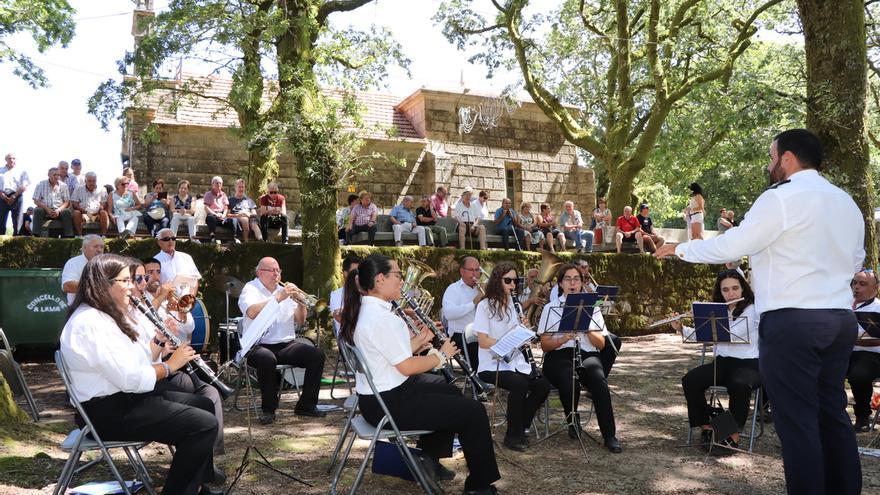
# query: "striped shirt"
[[54, 197]]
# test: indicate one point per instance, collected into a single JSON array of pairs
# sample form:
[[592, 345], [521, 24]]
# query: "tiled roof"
[[381, 120]]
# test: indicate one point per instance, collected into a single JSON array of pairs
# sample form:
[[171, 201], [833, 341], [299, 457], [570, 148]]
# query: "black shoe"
[[862, 425], [206, 490], [440, 471], [219, 476], [613, 445], [313, 412], [484, 491], [516, 442], [267, 418], [706, 440]]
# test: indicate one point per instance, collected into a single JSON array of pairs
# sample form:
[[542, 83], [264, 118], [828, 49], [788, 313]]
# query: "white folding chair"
[[87, 439], [365, 431]]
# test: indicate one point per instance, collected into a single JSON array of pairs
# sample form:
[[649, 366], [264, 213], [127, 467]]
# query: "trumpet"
[[176, 302], [311, 302]]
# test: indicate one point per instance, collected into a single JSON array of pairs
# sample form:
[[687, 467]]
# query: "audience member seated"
[[547, 224], [244, 211], [483, 199], [64, 178], [650, 240], [128, 173], [403, 220], [731, 217], [507, 223], [156, 206], [184, 209], [27, 220], [217, 210], [342, 215], [435, 234], [628, 230], [864, 362], [438, 202], [601, 224], [273, 212], [88, 203], [529, 224], [362, 218], [573, 228], [124, 204], [53, 203], [468, 215]]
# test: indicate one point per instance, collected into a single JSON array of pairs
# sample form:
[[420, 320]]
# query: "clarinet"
[[200, 366], [479, 385], [527, 348], [446, 368]]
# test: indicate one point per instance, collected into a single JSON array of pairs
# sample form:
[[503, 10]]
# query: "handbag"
[[597, 235]]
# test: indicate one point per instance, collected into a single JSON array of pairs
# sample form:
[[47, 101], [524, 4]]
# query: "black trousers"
[[15, 210], [273, 221], [525, 396], [864, 368], [558, 369], [740, 376], [473, 349], [185, 383], [355, 229], [607, 354], [228, 223], [183, 420], [803, 360], [427, 402], [265, 357]]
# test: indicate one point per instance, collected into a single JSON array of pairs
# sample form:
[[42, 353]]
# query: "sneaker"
[[195, 241], [236, 240]]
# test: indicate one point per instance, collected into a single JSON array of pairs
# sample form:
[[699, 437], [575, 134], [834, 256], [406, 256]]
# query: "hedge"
[[650, 288]]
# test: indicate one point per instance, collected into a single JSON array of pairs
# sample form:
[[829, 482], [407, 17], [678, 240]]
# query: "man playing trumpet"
[[277, 345]]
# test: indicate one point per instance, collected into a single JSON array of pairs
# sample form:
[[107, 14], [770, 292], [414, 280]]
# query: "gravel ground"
[[648, 405]]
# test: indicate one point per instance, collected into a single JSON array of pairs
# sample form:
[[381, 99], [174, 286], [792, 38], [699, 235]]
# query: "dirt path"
[[648, 405]]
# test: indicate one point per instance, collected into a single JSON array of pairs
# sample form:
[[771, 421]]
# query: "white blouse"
[[101, 359], [549, 323], [496, 327], [383, 340]]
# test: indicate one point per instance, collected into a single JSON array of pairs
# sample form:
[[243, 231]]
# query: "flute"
[[687, 314]]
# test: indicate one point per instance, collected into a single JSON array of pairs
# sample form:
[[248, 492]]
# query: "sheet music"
[[254, 332], [512, 341]]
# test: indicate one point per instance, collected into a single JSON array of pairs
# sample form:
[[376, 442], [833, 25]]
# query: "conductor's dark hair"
[[94, 288], [350, 260], [747, 294], [357, 283], [803, 144]]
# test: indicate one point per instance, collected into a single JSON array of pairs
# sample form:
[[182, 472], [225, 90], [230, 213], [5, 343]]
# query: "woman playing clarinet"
[[736, 365], [560, 357], [495, 316], [416, 401]]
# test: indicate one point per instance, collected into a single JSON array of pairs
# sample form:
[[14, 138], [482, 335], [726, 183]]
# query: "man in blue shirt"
[[507, 223], [403, 220]]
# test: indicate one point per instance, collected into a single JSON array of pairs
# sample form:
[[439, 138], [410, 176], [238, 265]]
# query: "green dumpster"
[[32, 306]]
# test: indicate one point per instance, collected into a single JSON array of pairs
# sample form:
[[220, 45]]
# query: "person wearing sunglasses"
[[174, 262], [123, 205], [495, 316], [559, 360], [273, 212], [115, 378], [864, 363]]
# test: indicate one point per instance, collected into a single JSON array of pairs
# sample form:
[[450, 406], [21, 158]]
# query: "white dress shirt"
[[458, 306], [12, 179], [549, 323], [496, 327], [284, 328], [179, 264], [805, 238], [72, 272], [868, 307], [745, 326], [383, 340], [334, 304], [101, 359], [472, 214]]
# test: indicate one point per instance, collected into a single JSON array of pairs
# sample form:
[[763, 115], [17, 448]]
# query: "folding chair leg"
[[342, 462], [67, 472], [140, 469], [363, 468], [759, 407], [115, 471], [343, 374], [346, 428]]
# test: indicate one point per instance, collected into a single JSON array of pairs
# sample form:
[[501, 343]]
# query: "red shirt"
[[274, 202], [625, 225]]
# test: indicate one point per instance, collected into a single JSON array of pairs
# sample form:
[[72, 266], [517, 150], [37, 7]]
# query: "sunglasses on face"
[[166, 239], [141, 278], [508, 280]]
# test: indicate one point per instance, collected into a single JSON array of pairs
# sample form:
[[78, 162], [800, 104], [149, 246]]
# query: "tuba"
[[415, 273], [550, 263]]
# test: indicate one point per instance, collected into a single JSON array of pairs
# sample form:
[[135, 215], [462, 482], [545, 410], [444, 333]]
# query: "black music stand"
[[575, 316], [870, 323]]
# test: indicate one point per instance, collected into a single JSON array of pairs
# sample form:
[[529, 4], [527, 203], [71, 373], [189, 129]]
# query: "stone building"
[[524, 157]]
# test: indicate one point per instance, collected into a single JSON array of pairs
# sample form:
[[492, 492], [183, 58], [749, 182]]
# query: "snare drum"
[[202, 332], [229, 338]]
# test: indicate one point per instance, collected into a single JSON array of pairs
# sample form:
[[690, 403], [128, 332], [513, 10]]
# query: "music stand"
[[575, 316], [870, 323]]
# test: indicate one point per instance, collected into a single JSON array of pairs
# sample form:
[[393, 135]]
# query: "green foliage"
[[48, 22]]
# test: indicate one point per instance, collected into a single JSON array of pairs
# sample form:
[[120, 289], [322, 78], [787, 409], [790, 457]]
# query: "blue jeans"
[[509, 230], [582, 239]]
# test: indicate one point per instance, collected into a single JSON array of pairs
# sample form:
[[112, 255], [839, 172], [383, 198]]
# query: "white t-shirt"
[[472, 214], [872, 307], [72, 272], [496, 327], [383, 340], [284, 328], [549, 323], [179, 264], [101, 359], [334, 304]]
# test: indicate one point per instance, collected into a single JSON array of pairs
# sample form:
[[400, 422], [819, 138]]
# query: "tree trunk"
[[10, 413], [834, 41], [262, 168]]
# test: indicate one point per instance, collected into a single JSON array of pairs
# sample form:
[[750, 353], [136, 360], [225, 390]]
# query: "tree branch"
[[331, 6]]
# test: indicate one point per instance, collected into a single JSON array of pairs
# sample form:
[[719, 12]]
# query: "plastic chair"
[[365, 431], [12, 371], [87, 439]]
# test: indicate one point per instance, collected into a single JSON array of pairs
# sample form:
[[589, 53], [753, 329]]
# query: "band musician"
[[864, 362], [460, 305]]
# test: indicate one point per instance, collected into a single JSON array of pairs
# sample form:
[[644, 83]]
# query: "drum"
[[202, 332], [229, 330]]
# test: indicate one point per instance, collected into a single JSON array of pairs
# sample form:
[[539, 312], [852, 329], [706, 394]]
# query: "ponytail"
[[357, 283]]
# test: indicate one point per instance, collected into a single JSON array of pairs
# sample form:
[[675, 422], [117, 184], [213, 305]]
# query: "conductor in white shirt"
[[801, 271], [277, 346]]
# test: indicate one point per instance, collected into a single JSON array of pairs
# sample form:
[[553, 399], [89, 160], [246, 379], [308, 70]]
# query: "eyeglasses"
[[471, 269], [141, 278], [571, 279], [273, 270], [166, 239], [123, 281], [124, 183], [508, 280]]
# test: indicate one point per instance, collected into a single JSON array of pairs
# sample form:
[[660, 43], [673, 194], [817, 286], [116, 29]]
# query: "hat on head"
[[468, 189], [76, 161], [643, 206]]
